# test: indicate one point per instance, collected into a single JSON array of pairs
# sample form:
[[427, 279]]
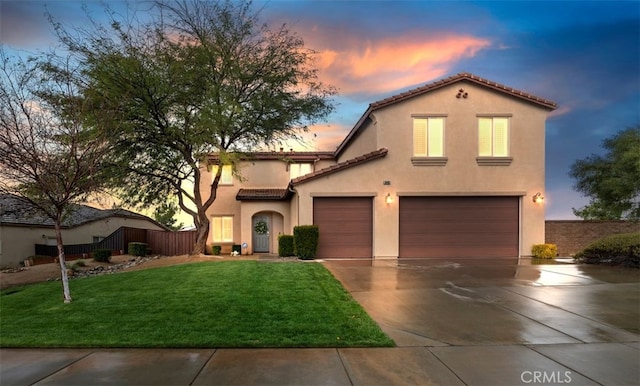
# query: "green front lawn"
[[216, 304]]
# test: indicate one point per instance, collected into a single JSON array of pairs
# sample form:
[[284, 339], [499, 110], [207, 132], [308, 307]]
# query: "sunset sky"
[[584, 55]]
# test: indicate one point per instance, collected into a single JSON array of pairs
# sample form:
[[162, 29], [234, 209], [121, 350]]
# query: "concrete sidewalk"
[[455, 323]]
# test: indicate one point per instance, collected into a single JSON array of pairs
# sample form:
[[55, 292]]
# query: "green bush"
[[305, 241], [137, 249], [622, 249], [285, 245], [217, 249], [237, 248], [77, 265], [544, 251], [102, 255]]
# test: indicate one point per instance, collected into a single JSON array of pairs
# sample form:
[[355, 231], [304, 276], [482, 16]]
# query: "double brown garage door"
[[430, 227], [459, 227]]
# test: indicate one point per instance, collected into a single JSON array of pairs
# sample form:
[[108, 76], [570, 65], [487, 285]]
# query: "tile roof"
[[299, 156], [340, 166], [14, 211], [263, 194], [468, 77]]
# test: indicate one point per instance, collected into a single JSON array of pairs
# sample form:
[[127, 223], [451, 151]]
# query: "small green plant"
[[237, 248], [305, 241], [75, 267], [137, 249], [621, 249], [544, 251], [102, 255], [217, 249], [285, 245]]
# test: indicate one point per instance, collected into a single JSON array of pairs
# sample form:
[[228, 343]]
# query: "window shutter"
[[216, 224], [484, 137], [436, 137], [227, 229], [419, 137], [500, 139]]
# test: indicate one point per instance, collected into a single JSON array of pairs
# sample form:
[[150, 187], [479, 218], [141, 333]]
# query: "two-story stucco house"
[[450, 169]]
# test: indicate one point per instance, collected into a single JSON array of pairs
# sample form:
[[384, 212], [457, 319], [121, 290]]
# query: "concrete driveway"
[[455, 322], [506, 321]]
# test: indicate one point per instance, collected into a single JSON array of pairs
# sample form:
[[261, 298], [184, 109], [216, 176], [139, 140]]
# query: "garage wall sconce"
[[538, 198], [388, 199]]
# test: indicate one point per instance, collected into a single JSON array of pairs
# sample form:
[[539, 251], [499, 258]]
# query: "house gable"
[[366, 118]]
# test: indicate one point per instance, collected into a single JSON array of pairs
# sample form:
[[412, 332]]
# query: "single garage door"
[[459, 227], [345, 225]]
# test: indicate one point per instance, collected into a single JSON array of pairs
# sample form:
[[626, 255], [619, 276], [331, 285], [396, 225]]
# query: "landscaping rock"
[[108, 269]]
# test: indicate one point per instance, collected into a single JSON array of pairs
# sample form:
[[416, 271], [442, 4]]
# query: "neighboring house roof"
[[263, 194], [463, 76], [340, 166], [14, 211]]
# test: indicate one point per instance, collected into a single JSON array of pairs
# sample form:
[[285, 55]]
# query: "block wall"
[[571, 236]]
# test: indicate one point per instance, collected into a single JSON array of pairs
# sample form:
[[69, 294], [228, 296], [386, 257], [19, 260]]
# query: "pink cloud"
[[321, 137], [355, 65]]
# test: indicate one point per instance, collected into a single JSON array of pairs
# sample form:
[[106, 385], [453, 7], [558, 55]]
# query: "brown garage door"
[[459, 227], [345, 225]]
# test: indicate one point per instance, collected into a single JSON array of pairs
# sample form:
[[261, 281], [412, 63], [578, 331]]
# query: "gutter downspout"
[[297, 197]]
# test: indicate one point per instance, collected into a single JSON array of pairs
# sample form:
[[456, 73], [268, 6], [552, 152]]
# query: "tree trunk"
[[202, 233], [63, 264]]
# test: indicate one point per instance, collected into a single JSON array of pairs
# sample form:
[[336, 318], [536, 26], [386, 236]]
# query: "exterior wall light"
[[388, 199], [538, 198]]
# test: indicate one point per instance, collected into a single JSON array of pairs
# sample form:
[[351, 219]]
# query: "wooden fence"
[[160, 242], [171, 243]]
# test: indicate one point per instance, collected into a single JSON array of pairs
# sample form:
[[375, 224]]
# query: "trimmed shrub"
[[544, 251], [305, 241], [285, 245], [216, 249], [236, 248], [622, 249], [102, 255], [137, 249]]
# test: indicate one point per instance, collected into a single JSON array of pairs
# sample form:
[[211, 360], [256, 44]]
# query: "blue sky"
[[584, 55]]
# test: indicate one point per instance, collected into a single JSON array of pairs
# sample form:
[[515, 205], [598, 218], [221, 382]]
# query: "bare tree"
[[48, 159]]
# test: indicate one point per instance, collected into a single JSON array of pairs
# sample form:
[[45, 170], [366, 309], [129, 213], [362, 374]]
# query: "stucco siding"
[[461, 175], [364, 142]]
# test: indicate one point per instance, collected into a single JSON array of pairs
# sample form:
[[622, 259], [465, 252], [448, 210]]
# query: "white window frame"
[[222, 229], [298, 169], [494, 146], [426, 151], [492, 157], [227, 174]]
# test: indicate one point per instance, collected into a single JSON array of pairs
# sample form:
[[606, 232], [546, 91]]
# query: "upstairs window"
[[227, 174], [493, 137], [297, 170], [222, 229], [428, 137]]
